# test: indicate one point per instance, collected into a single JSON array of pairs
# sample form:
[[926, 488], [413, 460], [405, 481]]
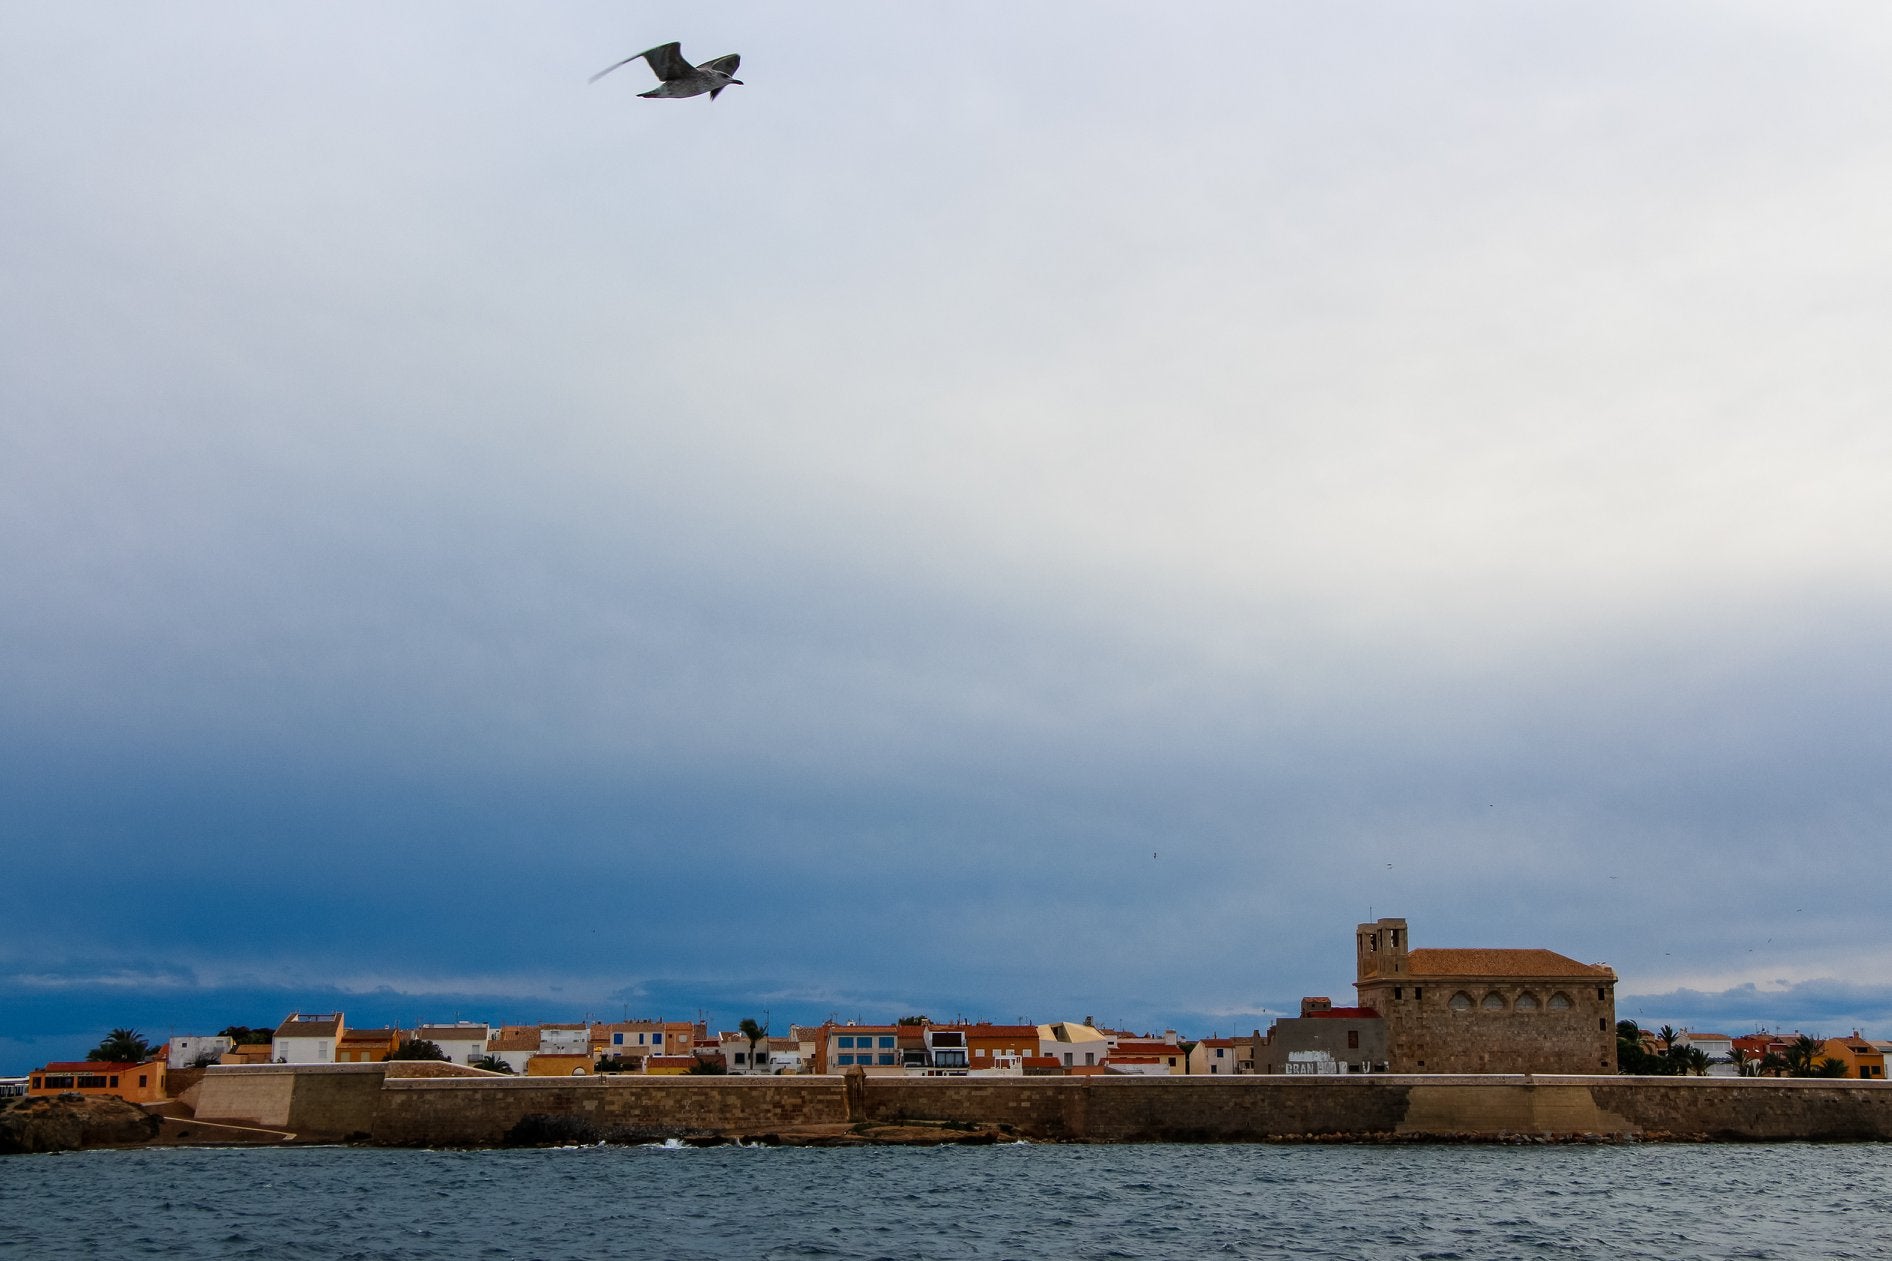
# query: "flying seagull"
[[680, 78]]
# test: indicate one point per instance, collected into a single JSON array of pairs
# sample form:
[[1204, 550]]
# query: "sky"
[[1017, 511]]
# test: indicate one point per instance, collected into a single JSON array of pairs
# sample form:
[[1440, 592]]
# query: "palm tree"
[[122, 1046], [1694, 1061], [1801, 1056], [755, 1033]]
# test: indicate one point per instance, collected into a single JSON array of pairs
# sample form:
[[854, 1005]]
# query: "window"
[[141, 1079], [1353, 1039], [844, 1059], [656, 1039], [886, 1041], [1461, 1001], [617, 1039], [1417, 992], [1493, 1002], [845, 1040], [1398, 992], [1560, 1001], [1600, 995], [1527, 1002], [885, 1058]]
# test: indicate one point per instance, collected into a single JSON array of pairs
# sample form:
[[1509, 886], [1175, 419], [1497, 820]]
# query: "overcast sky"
[[1018, 510]]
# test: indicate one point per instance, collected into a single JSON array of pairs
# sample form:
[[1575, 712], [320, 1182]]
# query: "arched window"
[[1527, 1001], [1560, 1001], [1461, 1001], [1493, 1002]]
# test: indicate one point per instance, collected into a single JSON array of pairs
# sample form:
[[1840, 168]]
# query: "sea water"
[[1796, 1201]]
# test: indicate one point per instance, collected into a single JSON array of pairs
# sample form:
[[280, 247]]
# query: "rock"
[[66, 1122]]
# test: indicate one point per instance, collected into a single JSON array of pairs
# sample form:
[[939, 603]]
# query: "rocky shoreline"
[[60, 1123]]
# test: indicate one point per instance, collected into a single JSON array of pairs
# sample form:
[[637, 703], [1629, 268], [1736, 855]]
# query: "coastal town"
[[1425, 1010]]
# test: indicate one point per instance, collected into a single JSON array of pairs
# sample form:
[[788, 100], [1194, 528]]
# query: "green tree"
[[122, 1046], [492, 1064], [708, 1068], [247, 1035], [417, 1049]]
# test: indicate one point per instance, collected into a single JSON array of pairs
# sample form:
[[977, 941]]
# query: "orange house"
[[1862, 1059], [990, 1045], [134, 1083], [366, 1046]]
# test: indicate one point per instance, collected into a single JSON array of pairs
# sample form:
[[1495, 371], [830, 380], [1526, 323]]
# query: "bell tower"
[[1380, 950]]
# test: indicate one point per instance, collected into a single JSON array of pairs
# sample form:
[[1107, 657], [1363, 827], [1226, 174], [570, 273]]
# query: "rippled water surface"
[[1790, 1201]]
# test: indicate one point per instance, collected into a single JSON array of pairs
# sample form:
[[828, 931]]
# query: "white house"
[[1716, 1046], [307, 1039], [769, 1056], [462, 1042], [564, 1039], [186, 1049], [1073, 1045]]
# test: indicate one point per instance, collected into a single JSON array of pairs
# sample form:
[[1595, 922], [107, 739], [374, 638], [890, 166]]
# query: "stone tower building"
[[1485, 1011]]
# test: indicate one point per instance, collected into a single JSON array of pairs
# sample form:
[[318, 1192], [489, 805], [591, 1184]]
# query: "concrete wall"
[[311, 1100], [343, 1101], [477, 1112]]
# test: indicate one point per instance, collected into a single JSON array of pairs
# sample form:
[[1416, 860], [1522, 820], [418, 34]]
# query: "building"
[[1073, 1046], [742, 1059], [1718, 1047], [134, 1083], [1149, 1057], [1005, 1047], [1335, 1039], [366, 1046], [1485, 1011], [872, 1048], [1862, 1059], [307, 1039], [514, 1045], [194, 1050], [637, 1039], [463, 1042]]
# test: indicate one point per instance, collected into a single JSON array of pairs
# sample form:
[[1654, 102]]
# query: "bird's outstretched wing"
[[666, 60], [725, 64]]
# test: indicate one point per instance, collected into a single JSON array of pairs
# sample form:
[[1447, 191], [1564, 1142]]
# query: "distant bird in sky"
[[680, 78]]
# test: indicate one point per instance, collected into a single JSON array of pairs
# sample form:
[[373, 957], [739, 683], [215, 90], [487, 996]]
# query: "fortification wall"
[[312, 1100], [468, 1112], [259, 1094], [482, 1111]]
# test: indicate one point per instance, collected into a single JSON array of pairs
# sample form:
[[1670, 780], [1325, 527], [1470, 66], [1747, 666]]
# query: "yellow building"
[[134, 1083], [551, 1065], [1861, 1058], [366, 1046]]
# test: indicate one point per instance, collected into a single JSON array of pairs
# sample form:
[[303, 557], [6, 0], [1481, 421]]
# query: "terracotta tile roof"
[[516, 1038], [451, 1033], [983, 1030], [324, 1026], [1434, 961], [90, 1066]]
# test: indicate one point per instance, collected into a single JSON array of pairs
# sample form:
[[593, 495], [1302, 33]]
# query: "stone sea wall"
[[346, 1101]]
